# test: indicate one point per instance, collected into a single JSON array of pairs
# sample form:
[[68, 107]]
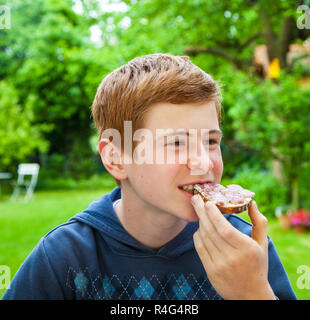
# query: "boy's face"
[[156, 186]]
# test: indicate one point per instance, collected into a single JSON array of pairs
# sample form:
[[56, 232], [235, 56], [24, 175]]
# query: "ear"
[[112, 159]]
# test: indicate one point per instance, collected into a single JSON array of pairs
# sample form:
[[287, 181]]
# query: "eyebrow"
[[215, 131], [184, 132]]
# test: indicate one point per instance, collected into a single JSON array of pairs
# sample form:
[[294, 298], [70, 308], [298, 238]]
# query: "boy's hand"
[[236, 264]]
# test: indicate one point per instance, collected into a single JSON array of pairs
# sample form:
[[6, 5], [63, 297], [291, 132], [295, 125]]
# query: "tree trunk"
[[285, 38], [278, 44], [269, 35]]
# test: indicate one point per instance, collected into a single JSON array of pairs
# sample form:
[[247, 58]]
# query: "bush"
[[304, 187], [94, 182], [269, 193]]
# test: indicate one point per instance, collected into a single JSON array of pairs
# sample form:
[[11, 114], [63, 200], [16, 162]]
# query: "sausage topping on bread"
[[230, 199]]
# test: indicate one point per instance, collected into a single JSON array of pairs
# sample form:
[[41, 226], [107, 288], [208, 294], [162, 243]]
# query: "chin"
[[185, 211], [193, 218], [190, 216]]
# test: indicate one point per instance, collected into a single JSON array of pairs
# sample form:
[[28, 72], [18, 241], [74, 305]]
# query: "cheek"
[[152, 179], [218, 165]]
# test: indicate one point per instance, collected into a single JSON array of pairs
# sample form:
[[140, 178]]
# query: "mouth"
[[190, 187]]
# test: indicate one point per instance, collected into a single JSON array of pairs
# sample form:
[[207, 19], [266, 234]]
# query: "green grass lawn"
[[23, 224]]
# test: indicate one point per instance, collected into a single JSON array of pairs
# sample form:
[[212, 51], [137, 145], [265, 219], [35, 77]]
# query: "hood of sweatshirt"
[[101, 216]]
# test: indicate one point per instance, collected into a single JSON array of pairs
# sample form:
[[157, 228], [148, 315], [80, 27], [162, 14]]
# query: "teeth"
[[190, 188]]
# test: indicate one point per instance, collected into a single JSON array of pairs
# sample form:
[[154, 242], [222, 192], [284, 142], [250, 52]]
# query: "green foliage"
[[273, 117], [50, 63], [269, 192], [304, 186], [54, 72], [235, 151], [20, 135], [80, 165], [94, 182]]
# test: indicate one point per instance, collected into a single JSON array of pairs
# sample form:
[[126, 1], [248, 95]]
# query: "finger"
[[202, 250], [259, 225], [205, 228], [198, 205], [224, 228], [208, 230]]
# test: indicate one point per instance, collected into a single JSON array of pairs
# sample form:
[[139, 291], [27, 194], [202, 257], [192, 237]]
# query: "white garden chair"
[[27, 180]]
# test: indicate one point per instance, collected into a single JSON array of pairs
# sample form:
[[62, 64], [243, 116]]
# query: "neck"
[[151, 228]]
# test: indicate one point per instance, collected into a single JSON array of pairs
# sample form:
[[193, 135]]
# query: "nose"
[[199, 161]]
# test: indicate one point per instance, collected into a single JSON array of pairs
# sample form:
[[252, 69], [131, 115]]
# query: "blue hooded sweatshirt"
[[93, 257]]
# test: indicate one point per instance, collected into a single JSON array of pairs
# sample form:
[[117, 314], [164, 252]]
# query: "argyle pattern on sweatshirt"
[[113, 287]]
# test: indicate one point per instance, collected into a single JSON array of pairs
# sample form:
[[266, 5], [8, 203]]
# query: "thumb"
[[259, 225]]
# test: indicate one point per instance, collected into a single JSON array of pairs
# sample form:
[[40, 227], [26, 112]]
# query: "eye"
[[211, 142], [176, 143]]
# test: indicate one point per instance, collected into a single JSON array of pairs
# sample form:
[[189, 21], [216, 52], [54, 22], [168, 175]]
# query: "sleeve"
[[277, 276], [35, 279]]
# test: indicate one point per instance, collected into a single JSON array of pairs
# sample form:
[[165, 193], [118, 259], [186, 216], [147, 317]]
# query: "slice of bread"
[[232, 199]]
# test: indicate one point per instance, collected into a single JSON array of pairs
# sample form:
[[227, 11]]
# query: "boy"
[[148, 238]]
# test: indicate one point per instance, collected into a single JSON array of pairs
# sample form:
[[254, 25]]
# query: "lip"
[[195, 182], [186, 193], [189, 194]]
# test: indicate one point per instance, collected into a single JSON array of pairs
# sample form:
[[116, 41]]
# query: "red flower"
[[300, 217]]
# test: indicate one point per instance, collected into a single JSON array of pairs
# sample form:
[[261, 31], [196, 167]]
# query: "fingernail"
[[208, 204], [195, 199]]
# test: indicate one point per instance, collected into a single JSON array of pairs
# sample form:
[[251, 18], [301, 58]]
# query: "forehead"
[[185, 116]]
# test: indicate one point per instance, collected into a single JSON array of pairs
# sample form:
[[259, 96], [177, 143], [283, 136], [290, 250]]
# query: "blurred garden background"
[[54, 54]]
